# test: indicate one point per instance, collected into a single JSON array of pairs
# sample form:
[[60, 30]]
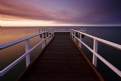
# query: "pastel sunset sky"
[[59, 12]]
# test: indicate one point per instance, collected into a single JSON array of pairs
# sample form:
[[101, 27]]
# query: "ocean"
[[110, 54], [108, 33]]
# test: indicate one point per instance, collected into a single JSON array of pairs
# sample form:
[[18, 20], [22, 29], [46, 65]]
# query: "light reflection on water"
[[10, 54], [11, 34]]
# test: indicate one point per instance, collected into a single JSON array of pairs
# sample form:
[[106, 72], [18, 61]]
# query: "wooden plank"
[[61, 61]]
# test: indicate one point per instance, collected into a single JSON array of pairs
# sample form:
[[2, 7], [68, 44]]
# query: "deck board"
[[61, 61]]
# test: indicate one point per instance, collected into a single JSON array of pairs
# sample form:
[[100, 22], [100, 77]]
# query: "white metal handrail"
[[117, 46], [3, 46], [27, 48], [95, 48]]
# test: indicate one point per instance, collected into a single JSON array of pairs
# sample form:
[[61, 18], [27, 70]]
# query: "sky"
[[60, 12]]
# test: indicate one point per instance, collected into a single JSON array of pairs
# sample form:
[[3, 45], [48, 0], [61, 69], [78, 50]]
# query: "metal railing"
[[43, 42], [74, 33]]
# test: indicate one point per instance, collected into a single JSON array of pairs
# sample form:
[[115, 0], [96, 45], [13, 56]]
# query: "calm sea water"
[[10, 54], [110, 54]]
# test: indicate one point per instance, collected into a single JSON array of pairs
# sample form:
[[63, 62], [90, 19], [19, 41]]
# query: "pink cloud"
[[20, 9]]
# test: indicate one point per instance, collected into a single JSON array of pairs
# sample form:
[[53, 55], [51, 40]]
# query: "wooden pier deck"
[[61, 61]]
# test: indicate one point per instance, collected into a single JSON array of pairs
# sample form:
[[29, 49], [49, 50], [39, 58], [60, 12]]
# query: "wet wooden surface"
[[61, 61]]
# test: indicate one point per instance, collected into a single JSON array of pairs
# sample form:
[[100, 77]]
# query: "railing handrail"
[[3, 46], [28, 49], [117, 46], [95, 46]]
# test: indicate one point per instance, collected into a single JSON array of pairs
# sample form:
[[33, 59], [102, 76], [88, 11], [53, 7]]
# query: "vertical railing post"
[[80, 37], [42, 36], [45, 38], [74, 36], [70, 33], [95, 48], [27, 48], [49, 35], [42, 40]]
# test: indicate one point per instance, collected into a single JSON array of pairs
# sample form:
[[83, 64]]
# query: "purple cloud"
[[65, 11]]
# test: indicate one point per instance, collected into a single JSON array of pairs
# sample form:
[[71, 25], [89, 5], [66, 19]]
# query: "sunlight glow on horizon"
[[9, 23], [19, 23], [13, 21]]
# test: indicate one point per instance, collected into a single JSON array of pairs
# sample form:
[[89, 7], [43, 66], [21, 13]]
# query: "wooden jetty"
[[61, 60]]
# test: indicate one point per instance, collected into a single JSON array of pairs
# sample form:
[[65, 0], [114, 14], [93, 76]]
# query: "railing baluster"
[[80, 37], [45, 40], [95, 48], [42, 40], [70, 33], [74, 35], [27, 48]]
